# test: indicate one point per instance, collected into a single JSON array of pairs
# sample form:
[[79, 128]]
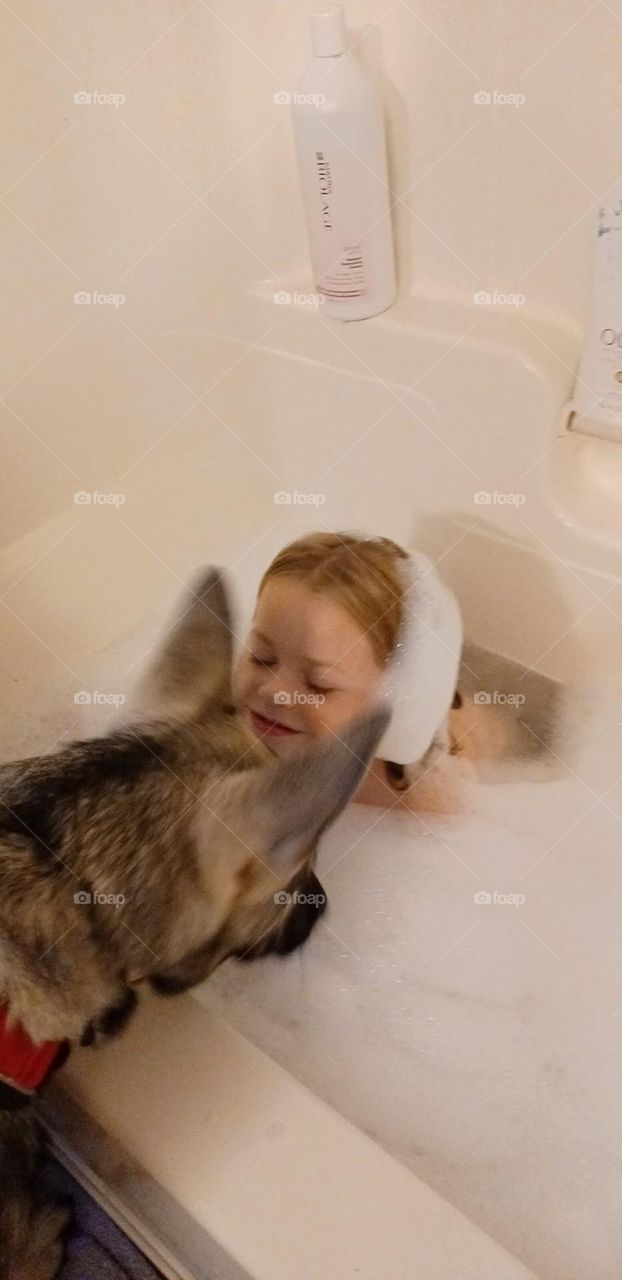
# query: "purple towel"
[[97, 1249]]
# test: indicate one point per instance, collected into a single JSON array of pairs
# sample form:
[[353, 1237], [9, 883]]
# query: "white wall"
[[182, 196], [186, 194]]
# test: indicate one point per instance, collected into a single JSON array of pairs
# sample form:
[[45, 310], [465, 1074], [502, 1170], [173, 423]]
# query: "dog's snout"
[[303, 905], [301, 919]]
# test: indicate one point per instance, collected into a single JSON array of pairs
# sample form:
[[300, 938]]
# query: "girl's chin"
[[284, 746]]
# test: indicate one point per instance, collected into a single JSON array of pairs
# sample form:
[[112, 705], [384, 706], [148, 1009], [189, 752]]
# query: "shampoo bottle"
[[597, 401], [341, 152]]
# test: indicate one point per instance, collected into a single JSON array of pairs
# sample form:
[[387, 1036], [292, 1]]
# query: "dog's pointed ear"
[[192, 664], [280, 809]]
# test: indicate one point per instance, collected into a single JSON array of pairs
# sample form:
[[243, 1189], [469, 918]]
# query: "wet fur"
[[196, 826]]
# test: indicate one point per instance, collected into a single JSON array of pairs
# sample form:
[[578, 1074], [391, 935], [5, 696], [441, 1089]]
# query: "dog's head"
[[259, 818]]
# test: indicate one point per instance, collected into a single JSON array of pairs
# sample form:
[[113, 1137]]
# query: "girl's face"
[[307, 667]]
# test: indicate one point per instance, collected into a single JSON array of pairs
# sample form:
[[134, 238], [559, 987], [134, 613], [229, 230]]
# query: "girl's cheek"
[[312, 720], [341, 707], [326, 715]]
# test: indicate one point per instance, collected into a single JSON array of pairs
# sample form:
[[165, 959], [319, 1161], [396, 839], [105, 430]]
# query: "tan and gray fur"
[[151, 854]]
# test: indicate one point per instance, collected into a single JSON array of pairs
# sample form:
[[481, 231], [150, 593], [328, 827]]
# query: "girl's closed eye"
[[261, 662], [319, 682]]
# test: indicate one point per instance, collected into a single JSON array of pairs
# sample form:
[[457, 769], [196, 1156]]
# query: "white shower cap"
[[420, 679]]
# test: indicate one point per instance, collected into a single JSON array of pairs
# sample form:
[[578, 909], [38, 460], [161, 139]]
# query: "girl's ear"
[[193, 664], [281, 809]]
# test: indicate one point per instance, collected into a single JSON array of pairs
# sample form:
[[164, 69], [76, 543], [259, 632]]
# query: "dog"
[[151, 854]]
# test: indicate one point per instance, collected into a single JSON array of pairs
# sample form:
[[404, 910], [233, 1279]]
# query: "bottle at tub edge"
[[341, 152]]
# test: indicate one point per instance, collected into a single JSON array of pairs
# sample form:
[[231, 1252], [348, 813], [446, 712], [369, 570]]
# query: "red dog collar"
[[24, 1065]]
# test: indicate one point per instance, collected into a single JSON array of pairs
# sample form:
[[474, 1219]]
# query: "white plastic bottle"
[[597, 401], [341, 151]]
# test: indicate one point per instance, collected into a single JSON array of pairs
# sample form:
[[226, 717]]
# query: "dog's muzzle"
[[24, 1065]]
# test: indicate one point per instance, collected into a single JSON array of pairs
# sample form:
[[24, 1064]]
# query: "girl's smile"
[[266, 728]]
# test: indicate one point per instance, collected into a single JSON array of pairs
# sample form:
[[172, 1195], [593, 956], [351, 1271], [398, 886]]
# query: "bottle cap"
[[328, 33]]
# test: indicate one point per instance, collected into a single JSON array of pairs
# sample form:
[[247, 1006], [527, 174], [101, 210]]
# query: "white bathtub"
[[236, 1145]]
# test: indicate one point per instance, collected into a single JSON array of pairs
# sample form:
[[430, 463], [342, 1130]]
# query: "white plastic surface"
[[430, 404], [277, 1179]]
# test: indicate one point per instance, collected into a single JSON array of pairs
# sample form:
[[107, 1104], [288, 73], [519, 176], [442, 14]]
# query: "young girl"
[[327, 617]]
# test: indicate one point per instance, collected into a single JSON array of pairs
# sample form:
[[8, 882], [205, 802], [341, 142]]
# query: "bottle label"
[[346, 278], [342, 272]]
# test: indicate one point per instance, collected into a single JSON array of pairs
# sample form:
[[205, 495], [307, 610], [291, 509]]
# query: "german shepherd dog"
[[150, 854]]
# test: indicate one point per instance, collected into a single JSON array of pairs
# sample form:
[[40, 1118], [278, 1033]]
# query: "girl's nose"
[[278, 687]]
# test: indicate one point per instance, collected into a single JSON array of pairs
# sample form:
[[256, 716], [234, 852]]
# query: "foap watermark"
[[284, 299], [284, 899], [83, 298], [497, 299], [84, 898], [285, 497], [493, 498], [94, 698], [496, 697], [497, 98], [95, 98], [285, 699], [87, 498], [496, 899], [284, 99]]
